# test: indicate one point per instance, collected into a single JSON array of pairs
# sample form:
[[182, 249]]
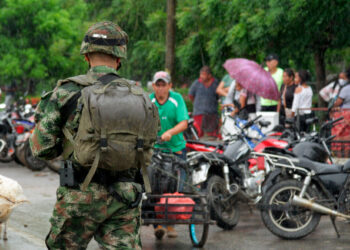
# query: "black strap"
[[69, 107], [105, 41], [107, 78]]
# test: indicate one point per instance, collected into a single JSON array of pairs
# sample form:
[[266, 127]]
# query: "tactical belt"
[[107, 178], [102, 176]]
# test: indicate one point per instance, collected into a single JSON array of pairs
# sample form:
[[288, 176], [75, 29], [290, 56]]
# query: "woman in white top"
[[302, 101]]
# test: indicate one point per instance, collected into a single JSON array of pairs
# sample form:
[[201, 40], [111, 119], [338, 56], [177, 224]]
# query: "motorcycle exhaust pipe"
[[298, 201]]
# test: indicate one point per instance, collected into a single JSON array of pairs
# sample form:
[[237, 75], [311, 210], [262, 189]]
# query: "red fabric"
[[198, 124], [185, 200], [199, 127], [342, 132]]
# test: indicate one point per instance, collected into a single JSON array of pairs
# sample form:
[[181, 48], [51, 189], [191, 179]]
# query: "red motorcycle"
[[279, 140]]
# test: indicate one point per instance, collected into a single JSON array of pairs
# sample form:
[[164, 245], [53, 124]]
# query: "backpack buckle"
[[103, 144], [139, 145]]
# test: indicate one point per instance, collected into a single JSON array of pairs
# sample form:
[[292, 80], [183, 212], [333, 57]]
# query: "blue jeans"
[[183, 175]]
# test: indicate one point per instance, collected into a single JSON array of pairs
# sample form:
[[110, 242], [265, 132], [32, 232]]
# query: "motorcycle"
[[228, 178], [300, 189]]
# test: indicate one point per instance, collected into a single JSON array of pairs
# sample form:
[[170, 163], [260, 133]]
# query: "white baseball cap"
[[162, 75]]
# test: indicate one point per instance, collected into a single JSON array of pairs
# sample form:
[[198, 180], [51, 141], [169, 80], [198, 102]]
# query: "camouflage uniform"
[[80, 215]]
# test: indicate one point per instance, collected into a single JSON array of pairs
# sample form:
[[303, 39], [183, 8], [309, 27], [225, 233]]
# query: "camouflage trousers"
[[78, 216]]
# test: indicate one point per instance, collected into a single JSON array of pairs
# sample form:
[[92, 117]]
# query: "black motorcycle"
[[301, 189]]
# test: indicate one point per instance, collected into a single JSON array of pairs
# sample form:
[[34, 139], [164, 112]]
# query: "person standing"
[[277, 74], [343, 99], [302, 102], [205, 103], [224, 86], [331, 90], [93, 120], [173, 120], [287, 95]]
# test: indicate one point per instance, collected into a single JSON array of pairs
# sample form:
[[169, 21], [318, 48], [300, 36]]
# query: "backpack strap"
[[140, 157]]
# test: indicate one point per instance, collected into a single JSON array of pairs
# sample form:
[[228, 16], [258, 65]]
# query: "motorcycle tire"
[[33, 163], [19, 156], [294, 223], [226, 213], [55, 164], [4, 156]]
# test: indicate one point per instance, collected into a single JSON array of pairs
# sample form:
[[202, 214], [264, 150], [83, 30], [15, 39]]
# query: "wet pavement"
[[29, 224]]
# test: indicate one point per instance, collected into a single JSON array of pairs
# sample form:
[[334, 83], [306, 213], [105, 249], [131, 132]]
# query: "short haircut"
[[206, 69]]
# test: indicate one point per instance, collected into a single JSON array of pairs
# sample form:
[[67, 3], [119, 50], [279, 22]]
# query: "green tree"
[[40, 39]]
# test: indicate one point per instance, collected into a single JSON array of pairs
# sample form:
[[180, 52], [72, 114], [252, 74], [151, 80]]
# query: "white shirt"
[[302, 100]]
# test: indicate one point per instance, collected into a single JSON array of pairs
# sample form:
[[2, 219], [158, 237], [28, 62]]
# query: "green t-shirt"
[[278, 77], [172, 112]]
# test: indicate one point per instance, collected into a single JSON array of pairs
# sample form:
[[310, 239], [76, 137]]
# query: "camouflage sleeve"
[[47, 138]]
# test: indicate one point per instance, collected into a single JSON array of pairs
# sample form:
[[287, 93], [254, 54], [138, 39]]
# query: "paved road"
[[29, 224]]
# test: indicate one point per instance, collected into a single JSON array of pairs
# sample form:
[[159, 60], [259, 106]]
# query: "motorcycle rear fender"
[[270, 180]]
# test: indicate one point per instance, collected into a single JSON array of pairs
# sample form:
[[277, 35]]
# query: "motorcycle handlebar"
[[251, 122], [330, 138], [331, 123]]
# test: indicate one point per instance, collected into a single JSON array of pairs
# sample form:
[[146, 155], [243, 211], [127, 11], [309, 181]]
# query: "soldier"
[[81, 119]]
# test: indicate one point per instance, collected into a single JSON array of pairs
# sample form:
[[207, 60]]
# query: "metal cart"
[[198, 224]]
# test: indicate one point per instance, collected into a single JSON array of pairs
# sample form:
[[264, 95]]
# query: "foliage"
[[41, 39]]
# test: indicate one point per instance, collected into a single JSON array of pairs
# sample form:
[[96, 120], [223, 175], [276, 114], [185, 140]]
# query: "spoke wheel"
[[223, 209], [283, 220]]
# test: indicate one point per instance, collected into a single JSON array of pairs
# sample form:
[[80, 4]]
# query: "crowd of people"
[[295, 97]]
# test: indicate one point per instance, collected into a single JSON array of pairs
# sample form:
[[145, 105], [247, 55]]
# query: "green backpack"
[[118, 125]]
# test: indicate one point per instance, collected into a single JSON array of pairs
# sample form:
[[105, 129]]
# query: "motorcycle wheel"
[[294, 224], [19, 156], [32, 162], [4, 155], [55, 164], [226, 213]]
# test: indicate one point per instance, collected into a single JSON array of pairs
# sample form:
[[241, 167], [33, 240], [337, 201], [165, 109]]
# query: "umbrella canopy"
[[252, 77]]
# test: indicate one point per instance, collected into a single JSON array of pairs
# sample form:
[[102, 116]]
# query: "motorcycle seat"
[[215, 144], [264, 124], [320, 168]]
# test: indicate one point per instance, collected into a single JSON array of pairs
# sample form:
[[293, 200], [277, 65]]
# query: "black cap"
[[271, 57]]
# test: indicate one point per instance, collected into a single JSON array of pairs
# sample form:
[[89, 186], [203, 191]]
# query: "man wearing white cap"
[[173, 120]]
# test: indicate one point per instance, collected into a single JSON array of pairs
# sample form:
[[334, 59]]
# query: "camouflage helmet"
[[105, 37]]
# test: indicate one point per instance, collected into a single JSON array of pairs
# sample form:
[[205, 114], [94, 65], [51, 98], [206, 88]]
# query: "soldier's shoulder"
[[64, 91]]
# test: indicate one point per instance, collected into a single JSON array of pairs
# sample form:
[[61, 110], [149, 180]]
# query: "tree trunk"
[[320, 73], [170, 38]]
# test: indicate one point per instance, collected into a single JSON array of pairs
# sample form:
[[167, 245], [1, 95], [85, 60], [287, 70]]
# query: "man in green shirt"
[[277, 74], [173, 117]]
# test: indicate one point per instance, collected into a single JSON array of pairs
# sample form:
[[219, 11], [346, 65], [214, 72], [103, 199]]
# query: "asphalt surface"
[[29, 224]]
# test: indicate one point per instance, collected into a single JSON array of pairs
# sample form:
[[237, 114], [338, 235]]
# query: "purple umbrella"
[[252, 77]]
